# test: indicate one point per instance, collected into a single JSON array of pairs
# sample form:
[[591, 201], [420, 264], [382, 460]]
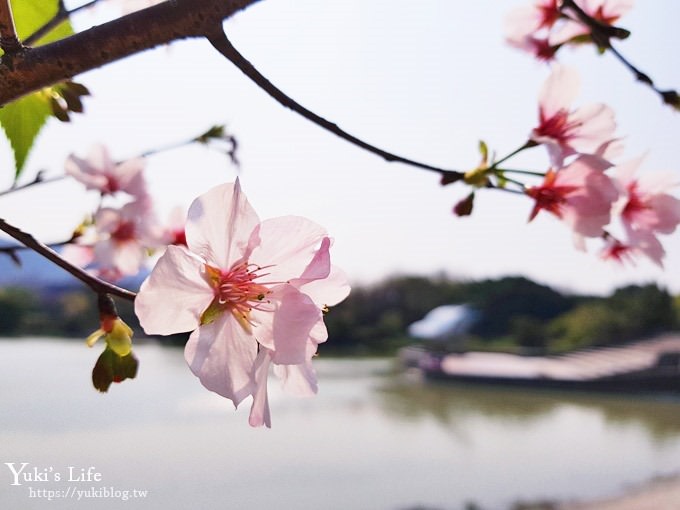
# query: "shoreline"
[[658, 493]]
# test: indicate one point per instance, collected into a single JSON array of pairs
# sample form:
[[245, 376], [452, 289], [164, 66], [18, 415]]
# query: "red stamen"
[[125, 231]]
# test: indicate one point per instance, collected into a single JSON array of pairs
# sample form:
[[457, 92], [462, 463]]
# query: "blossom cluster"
[[544, 26], [584, 185], [118, 239], [586, 189], [253, 292]]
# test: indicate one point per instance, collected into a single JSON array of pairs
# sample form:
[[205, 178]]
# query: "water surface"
[[371, 439]]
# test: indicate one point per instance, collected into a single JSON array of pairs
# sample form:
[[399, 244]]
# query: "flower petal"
[[130, 177], [287, 330], [259, 411], [174, 295], [221, 354], [286, 246], [595, 125], [328, 291], [558, 91], [219, 225], [298, 379]]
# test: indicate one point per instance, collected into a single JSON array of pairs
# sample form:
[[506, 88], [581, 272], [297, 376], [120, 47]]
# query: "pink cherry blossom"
[[174, 228], [564, 131], [253, 293], [101, 173], [580, 194], [642, 243], [645, 203], [124, 238], [646, 209], [527, 28], [606, 12]]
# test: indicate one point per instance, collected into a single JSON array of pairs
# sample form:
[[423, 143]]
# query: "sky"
[[425, 80]]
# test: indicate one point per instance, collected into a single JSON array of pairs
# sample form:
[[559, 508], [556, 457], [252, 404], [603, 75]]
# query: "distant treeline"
[[515, 314]]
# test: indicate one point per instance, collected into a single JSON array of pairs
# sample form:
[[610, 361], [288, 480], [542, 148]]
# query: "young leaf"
[[23, 119], [30, 15], [110, 367]]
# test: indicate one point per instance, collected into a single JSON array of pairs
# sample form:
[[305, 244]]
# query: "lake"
[[372, 439]]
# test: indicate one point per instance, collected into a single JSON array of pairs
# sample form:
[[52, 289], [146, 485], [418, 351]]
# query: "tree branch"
[[39, 179], [9, 41], [97, 285], [602, 34], [35, 68], [221, 43]]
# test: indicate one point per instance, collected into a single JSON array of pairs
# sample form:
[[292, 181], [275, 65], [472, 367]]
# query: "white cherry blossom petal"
[[222, 355], [173, 297], [219, 225]]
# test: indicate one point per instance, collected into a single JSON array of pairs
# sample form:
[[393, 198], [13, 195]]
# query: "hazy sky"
[[425, 80]]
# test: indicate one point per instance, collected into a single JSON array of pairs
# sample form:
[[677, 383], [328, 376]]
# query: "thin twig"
[[22, 247], [222, 44], [97, 285], [38, 180], [61, 15], [602, 34], [202, 139], [9, 40], [670, 97]]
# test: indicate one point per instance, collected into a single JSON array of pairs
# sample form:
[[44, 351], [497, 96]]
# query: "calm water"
[[370, 440]]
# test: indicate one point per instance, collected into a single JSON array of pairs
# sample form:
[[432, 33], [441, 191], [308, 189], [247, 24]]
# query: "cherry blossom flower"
[[580, 194], [544, 26], [527, 28], [124, 238], [174, 228], [645, 203], [646, 210], [101, 173], [566, 132], [642, 243], [607, 12], [253, 293]]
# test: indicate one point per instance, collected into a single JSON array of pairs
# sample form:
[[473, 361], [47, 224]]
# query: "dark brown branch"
[[222, 44], [9, 41], [669, 97], [602, 34], [34, 68], [97, 285]]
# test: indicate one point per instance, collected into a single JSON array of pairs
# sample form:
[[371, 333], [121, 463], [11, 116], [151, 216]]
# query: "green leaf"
[[23, 119], [484, 151], [111, 367], [30, 15]]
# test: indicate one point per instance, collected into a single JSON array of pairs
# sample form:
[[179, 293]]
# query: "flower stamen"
[[237, 291]]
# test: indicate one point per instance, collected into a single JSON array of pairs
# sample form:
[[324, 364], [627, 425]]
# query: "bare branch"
[[97, 285], [602, 34], [34, 68], [222, 44]]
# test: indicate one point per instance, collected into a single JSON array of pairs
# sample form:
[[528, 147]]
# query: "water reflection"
[[407, 397]]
